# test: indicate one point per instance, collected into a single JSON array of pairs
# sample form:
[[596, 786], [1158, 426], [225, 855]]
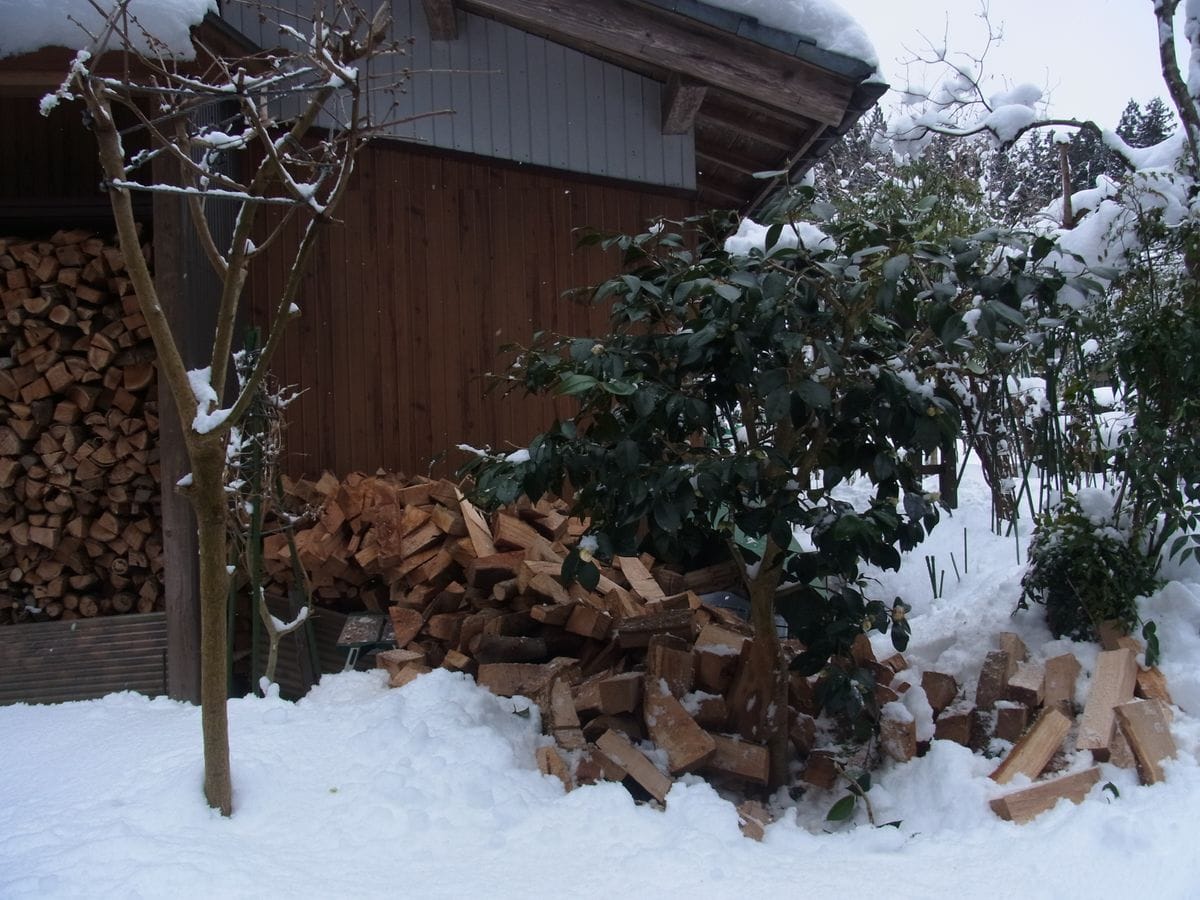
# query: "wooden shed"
[[458, 233]]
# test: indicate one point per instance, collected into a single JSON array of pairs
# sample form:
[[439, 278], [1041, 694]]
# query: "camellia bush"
[[742, 385]]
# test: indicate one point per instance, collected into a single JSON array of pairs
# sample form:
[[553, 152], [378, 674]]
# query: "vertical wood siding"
[[512, 95], [440, 261]]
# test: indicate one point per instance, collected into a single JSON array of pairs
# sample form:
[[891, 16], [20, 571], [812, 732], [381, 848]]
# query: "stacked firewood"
[[371, 542], [79, 479], [642, 656]]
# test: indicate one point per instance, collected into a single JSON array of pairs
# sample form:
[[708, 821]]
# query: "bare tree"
[[294, 120]]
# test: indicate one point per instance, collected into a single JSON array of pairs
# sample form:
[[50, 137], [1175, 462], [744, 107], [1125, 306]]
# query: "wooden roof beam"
[[713, 158], [682, 99], [728, 123], [657, 40], [443, 26], [731, 195]]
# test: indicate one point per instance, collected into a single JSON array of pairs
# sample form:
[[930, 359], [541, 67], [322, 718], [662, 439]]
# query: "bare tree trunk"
[[308, 178], [208, 497], [1064, 162], [763, 588]]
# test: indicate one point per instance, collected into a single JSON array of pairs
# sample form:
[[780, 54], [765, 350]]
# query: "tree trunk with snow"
[[303, 177]]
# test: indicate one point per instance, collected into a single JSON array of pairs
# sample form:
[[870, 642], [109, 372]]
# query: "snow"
[[27, 25], [1006, 122], [752, 236], [102, 798], [282, 627], [821, 21], [207, 418]]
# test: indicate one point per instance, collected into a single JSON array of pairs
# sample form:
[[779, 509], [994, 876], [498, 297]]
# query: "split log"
[[1059, 689], [1031, 754], [78, 417], [1113, 683], [633, 762], [1026, 804], [688, 746], [1146, 725]]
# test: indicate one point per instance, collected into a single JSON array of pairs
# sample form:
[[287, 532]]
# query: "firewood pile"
[[1027, 709], [79, 479], [641, 657], [373, 542], [1124, 721], [641, 680]]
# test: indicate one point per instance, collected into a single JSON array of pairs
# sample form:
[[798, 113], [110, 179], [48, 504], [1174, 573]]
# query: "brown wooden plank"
[[433, 333], [651, 38]]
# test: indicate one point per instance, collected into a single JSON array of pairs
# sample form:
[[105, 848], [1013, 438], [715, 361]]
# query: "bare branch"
[[1185, 103]]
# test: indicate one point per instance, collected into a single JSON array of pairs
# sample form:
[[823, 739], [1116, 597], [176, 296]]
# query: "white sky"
[[1090, 56]]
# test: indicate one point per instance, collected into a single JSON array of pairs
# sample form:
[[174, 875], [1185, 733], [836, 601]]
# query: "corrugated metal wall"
[[519, 97], [441, 260]]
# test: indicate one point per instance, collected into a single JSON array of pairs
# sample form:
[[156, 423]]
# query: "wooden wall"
[[441, 260], [512, 95], [49, 171], [53, 662]]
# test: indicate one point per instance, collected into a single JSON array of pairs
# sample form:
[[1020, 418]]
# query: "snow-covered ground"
[[430, 791]]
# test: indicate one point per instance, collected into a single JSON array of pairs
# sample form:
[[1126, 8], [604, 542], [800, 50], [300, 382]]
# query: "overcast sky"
[[1091, 56]]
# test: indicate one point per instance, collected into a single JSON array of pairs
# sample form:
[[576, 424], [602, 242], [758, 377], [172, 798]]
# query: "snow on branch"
[[240, 130], [1099, 228]]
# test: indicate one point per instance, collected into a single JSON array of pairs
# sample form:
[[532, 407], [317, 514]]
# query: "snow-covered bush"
[[1086, 567]]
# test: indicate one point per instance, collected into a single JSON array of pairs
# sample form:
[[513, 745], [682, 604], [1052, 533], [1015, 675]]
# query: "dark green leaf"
[[841, 810], [814, 394], [666, 516], [1041, 248], [588, 576], [572, 383], [896, 266]]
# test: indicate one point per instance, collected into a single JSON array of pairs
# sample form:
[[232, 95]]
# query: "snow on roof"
[[28, 25], [822, 21]]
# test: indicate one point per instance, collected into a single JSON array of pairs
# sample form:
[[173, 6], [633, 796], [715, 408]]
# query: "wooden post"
[[681, 102], [443, 26], [181, 568], [186, 285]]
